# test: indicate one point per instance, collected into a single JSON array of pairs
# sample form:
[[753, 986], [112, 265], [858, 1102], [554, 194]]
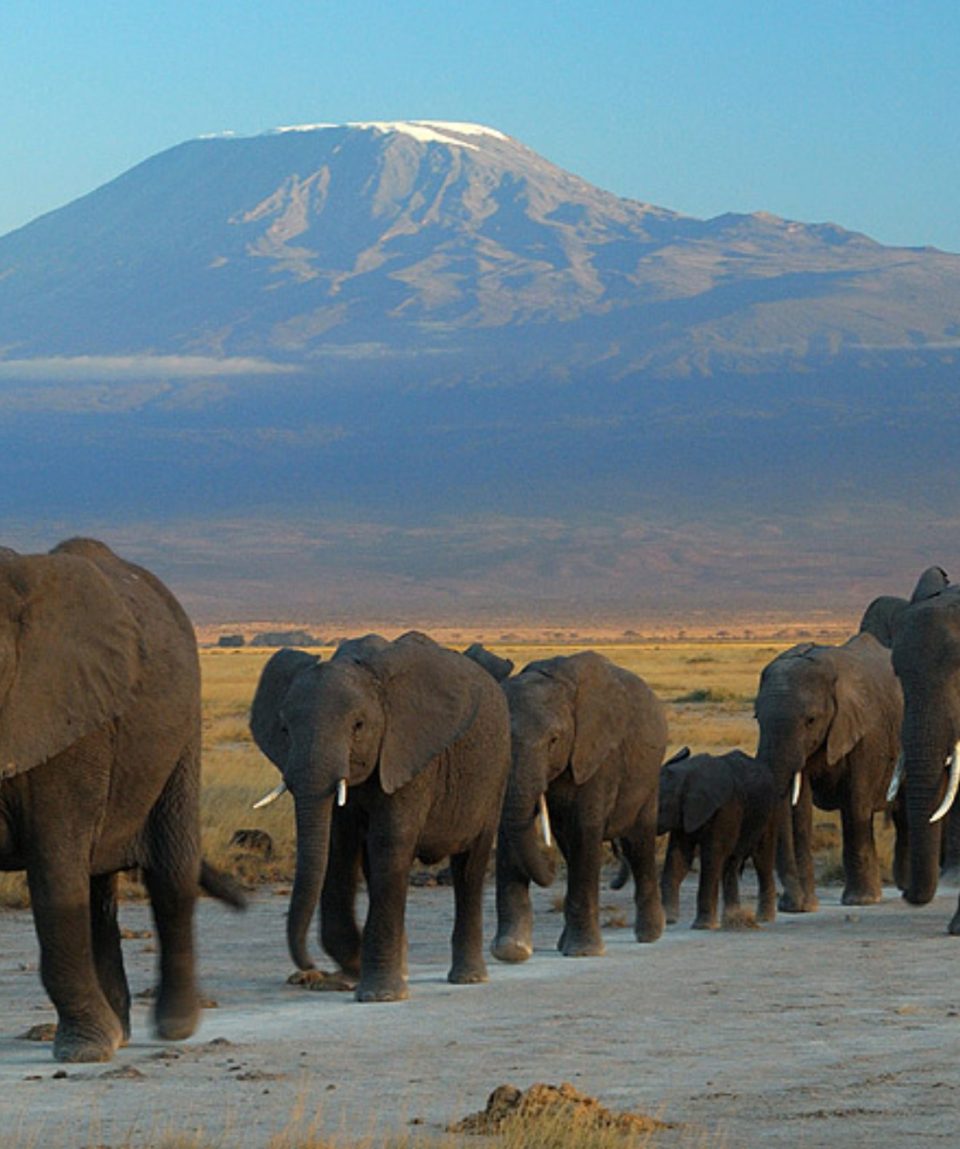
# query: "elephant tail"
[[220, 885]]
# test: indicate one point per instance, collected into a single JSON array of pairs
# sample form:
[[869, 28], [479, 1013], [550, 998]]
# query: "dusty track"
[[840, 1027]]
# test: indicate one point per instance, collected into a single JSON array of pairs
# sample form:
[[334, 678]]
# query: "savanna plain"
[[832, 1028]]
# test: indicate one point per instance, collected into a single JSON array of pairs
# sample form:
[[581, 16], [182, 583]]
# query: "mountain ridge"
[[350, 365]]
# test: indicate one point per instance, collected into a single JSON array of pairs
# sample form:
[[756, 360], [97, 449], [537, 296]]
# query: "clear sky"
[[841, 110]]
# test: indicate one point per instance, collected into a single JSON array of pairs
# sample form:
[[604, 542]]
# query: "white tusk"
[[795, 795], [271, 797], [896, 780], [953, 784], [342, 792], [545, 820]]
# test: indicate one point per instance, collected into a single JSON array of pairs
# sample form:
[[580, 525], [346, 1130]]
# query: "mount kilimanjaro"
[[420, 356]]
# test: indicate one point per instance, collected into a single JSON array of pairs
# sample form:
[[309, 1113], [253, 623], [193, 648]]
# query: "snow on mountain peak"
[[426, 131]]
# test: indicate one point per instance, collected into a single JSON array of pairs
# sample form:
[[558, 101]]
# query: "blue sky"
[[841, 110]]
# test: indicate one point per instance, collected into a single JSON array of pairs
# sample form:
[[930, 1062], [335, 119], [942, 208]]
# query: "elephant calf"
[[724, 804], [587, 740]]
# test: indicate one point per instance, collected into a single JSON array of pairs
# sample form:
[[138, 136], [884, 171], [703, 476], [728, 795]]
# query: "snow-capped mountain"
[[325, 239], [415, 366]]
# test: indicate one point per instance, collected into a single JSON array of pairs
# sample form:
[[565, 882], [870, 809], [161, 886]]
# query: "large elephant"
[[415, 740], [100, 772], [831, 716], [590, 736], [926, 659], [725, 806], [882, 619]]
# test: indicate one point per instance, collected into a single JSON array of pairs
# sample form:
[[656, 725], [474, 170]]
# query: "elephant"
[[725, 805], [587, 741], [830, 716], [414, 741], [882, 618], [926, 660], [99, 773], [493, 664]]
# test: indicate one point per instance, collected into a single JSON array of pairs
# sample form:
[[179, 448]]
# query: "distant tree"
[[231, 640]]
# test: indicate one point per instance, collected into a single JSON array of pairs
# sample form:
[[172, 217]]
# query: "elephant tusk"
[[953, 784], [896, 780], [342, 792], [795, 794], [545, 820], [271, 797]]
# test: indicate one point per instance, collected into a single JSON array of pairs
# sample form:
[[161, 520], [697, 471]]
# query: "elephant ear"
[[712, 786], [670, 795], [430, 699], [600, 708], [275, 680], [930, 583], [69, 656], [850, 720]]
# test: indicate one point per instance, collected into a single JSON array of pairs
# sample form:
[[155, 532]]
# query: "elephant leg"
[[954, 927], [901, 843], [640, 847], [582, 846], [763, 862], [803, 846], [88, 1027], [383, 946], [514, 938], [107, 951], [712, 859], [340, 934], [861, 867], [171, 878], [676, 866], [794, 859], [468, 869]]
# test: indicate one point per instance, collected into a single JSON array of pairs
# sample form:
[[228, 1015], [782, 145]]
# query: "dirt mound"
[[555, 1103]]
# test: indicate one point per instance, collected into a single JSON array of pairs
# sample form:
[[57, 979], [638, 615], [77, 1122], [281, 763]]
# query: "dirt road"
[[840, 1027]]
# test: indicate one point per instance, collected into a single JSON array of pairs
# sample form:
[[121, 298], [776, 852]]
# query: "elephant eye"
[[358, 726]]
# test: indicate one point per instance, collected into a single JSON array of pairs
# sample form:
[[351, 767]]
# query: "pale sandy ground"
[[835, 1028]]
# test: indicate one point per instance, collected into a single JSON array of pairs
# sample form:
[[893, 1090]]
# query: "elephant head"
[[811, 698], [565, 713], [499, 668], [693, 789], [926, 659], [376, 708], [882, 617], [70, 654]]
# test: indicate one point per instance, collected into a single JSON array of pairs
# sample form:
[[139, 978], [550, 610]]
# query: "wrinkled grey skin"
[[422, 736], [725, 806], [926, 659], [499, 668], [832, 713], [591, 736], [100, 772], [882, 619]]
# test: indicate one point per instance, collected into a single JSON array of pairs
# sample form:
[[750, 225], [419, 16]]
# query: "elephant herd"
[[402, 750]]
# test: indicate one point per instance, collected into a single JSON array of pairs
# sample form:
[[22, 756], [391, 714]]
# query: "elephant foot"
[[77, 1044], [472, 975], [176, 1015], [649, 929], [861, 897], [510, 949], [798, 904], [384, 993], [767, 913], [580, 945], [702, 922]]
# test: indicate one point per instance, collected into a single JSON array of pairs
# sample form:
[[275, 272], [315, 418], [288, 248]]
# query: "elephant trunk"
[[784, 758], [924, 772], [313, 843], [523, 841]]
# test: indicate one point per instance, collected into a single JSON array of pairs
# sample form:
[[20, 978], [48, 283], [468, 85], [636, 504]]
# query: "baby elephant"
[[725, 804]]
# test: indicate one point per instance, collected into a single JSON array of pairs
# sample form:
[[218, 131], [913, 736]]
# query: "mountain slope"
[[292, 245], [416, 369]]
